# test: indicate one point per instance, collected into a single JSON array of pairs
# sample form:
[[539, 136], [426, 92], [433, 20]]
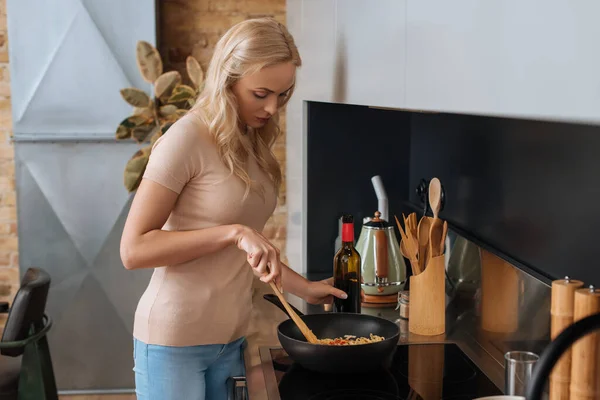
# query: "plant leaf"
[[147, 112], [148, 61], [135, 97], [140, 133], [134, 170], [123, 132], [165, 83], [136, 120], [181, 93], [168, 110], [125, 127], [165, 127], [194, 71], [140, 110], [157, 134], [180, 112]]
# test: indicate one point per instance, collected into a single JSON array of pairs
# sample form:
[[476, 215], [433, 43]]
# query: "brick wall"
[[9, 271], [185, 27], [194, 27]]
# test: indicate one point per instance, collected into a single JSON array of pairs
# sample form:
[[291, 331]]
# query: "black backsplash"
[[527, 190], [347, 145]]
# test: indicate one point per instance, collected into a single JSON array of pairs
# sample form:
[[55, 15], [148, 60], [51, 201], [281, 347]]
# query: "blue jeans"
[[190, 373]]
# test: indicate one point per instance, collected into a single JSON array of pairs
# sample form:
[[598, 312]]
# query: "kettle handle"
[[381, 256]]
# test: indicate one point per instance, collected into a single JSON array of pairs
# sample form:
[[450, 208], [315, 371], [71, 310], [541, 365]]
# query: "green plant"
[[152, 117]]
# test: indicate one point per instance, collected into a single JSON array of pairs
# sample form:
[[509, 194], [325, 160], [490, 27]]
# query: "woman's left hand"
[[322, 292]]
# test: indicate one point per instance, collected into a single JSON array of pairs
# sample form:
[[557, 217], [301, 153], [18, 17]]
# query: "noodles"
[[350, 340]]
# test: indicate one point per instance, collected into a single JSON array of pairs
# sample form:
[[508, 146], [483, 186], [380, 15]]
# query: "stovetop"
[[418, 371]]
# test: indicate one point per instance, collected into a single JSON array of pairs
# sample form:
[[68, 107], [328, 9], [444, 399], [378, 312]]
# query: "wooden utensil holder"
[[561, 310], [428, 299]]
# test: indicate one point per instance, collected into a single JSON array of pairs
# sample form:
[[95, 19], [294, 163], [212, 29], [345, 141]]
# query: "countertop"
[[486, 349]]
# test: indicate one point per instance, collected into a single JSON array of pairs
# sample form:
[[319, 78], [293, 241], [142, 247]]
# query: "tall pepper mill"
[[585, 364], [561, 310]]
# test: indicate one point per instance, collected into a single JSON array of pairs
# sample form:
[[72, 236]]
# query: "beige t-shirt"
[[206, 300]]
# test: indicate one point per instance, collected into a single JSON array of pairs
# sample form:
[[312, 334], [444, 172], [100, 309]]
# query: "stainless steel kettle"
[[382, 266]]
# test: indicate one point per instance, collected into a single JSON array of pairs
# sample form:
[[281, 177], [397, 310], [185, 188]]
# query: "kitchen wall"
[[437, 56], [9, 258], [347, 145], [525, 190], [184, 27]]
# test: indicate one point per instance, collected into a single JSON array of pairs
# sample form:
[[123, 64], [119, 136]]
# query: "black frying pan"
[[338, 359]]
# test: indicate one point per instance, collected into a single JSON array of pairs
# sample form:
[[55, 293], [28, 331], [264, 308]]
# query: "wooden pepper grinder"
[[561, 310], [585, 363]]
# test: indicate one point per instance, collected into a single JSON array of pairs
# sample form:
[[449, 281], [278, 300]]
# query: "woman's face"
[[260, 95]]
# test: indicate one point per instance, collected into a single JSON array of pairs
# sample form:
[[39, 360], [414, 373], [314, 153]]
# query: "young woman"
[[209, 187]]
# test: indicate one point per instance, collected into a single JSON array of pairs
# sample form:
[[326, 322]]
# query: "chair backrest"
[[27, 309]]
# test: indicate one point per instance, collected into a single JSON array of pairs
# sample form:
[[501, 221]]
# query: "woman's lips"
[[262, 120]]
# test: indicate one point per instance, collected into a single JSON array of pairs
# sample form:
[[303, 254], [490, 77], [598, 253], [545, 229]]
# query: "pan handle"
[[271, 298]]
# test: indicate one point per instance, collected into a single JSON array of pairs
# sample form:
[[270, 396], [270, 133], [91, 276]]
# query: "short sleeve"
[[176, 156]]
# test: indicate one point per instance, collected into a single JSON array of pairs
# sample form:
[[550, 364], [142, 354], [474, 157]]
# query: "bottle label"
[[348, 233]]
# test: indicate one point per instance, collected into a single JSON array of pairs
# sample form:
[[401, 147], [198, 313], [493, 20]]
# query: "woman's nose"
[[271, 105]]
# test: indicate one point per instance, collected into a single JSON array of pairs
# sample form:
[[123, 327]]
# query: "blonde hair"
[[245, 48]]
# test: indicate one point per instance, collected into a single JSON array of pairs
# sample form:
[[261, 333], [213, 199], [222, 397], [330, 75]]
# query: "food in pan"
[[351, 340]]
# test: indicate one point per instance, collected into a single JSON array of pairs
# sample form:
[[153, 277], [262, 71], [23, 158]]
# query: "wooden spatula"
[[310, 337], [437, 225], [413, 224], [408, 248], [410, 224], [423, 231], [443, 241]]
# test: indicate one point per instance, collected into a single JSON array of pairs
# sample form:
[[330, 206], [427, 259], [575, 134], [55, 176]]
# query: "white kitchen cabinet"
[[315, 37], [353, 51], [370, 52], [535, 59]]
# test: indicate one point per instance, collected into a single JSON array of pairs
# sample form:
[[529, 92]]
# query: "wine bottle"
[[346, 270]]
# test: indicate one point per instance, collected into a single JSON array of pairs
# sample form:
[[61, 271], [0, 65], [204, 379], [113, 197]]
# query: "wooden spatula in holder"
[[428, 299]]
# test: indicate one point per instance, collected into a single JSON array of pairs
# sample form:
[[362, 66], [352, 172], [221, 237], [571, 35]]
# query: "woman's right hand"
[[262, 256]]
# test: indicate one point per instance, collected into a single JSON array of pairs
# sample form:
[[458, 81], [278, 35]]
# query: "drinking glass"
[[518, 366]]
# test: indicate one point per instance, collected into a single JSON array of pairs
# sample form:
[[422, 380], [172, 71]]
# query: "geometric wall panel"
[[72, 207], [83, 185], [95, 346], [68, 61]]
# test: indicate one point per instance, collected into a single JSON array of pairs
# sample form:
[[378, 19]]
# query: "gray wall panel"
[[71, 212], [70, 58], [68, 61]]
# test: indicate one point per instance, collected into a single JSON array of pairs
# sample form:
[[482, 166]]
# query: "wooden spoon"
[[437, 225], [423, 231], [301, 325]]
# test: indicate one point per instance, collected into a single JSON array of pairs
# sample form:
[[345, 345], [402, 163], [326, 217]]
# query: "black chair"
[[26, 371]]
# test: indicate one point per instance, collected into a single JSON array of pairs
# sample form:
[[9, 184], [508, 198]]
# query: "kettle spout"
[[555, 350]]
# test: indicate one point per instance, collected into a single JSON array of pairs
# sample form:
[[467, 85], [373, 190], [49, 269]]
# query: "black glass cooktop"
[[418, 371]]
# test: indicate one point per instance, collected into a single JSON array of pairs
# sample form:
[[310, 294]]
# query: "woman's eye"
[[260, 95]]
